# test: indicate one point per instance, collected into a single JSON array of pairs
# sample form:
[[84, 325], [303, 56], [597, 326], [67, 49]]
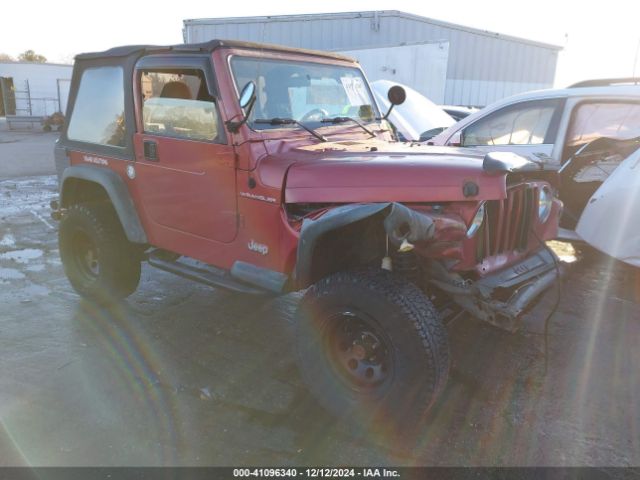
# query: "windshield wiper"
[[290, 121], [347, 119]]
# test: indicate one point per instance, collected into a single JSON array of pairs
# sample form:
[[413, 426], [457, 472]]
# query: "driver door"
[[185, 168]]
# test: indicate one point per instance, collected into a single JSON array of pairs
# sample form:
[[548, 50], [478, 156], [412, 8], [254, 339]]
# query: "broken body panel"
[[609, 221]]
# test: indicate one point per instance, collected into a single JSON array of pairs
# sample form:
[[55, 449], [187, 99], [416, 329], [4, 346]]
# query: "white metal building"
[[422, 66], [482, 66], [34, 89]]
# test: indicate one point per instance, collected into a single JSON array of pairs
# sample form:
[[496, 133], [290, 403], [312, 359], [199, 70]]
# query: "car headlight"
[[545, 203], [476, 223]]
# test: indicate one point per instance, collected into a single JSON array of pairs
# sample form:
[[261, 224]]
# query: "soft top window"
[[178, 104], [98, 111]]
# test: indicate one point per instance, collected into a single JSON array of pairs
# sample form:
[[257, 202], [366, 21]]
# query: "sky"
[[599, 39]]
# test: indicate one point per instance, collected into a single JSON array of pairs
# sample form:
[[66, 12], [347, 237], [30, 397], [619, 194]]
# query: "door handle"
[[150, 150]]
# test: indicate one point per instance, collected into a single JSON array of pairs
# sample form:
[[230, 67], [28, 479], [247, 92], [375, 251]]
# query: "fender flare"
[[421, 227], [118, 195]]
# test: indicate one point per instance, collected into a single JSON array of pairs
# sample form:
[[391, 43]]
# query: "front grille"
[[507, 222]]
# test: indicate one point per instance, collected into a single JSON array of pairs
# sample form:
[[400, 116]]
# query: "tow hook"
[[56, 212]]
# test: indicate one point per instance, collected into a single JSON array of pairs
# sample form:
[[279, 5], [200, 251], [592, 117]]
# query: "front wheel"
[[372, 349]]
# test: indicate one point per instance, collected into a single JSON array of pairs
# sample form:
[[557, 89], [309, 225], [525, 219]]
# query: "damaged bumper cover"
[[525, 280]]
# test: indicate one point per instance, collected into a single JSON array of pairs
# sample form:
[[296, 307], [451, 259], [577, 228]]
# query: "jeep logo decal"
[[258, 247]]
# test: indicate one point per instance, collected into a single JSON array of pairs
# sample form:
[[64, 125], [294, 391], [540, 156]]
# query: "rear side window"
[[612, 119], [523, 124], [177, 103], [98, 111]]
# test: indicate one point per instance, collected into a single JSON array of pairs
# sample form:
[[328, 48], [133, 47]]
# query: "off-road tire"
[[416, 338], [116, 260]]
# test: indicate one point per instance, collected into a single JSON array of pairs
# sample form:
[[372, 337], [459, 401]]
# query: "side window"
[[613, 120], [98, 111], [176, 103], [523, 124]]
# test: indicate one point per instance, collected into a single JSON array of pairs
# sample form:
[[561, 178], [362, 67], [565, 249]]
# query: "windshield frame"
[[294, 58]]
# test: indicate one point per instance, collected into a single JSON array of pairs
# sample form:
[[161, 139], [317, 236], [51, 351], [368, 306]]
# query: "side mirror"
[[246, 101], [456, 139], [396, 95], [247, 94]]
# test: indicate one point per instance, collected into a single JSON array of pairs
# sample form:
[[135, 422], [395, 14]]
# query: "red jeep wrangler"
[[265, 169]]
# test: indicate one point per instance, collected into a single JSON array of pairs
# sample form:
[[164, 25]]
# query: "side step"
[[202, 273]]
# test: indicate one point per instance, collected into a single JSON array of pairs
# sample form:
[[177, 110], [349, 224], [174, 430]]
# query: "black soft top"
[[209, 46], [126, 58]]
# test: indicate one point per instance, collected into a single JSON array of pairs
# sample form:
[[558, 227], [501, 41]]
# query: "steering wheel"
[[316, 114]]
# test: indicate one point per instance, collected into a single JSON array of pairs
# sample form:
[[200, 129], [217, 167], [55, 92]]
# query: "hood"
[[422, 174]]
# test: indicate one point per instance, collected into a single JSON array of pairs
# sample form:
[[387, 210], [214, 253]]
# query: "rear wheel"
[[372, 349], [99, 261]]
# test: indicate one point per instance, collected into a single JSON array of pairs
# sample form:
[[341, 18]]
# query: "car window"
[[98, 110], [304, 91], [176, 103], [595, 119], [522, 124]]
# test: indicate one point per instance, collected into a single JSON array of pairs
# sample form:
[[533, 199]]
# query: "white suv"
[[590, 132]]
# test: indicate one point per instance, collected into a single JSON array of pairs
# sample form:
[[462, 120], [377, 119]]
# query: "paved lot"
[[25, 151], [180, 374]]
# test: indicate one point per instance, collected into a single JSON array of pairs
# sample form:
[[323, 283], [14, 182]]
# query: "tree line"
[[26, 56]]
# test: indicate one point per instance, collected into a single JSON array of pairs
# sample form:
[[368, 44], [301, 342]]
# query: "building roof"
[[366, 14], [125, 51]]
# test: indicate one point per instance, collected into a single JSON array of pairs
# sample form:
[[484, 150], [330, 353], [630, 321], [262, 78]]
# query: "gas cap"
[[131, 172]]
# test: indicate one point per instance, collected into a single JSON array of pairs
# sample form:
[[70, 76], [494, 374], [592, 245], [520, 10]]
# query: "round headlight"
[[545, 202], [476, 223]]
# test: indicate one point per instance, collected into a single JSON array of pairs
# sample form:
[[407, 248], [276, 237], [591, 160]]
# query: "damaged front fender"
[[400, 223]]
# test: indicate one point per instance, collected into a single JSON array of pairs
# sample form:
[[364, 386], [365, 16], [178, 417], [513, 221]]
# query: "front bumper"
[[501, 298]]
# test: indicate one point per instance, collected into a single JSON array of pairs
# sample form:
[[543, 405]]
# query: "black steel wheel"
[[358, 351], [85, 255]]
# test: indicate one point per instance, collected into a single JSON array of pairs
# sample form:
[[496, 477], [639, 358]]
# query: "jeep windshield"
[[303, 93]]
